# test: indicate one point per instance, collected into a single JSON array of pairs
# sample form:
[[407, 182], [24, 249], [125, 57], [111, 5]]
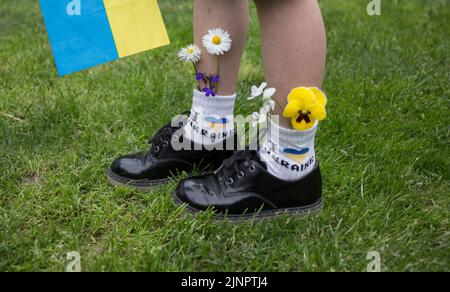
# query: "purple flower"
[[199, 76], [209, 92], [215, 78]]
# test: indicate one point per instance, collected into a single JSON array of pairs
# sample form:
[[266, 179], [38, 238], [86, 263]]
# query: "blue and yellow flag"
[[85, 33]]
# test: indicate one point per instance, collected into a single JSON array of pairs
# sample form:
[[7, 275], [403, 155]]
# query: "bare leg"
[[294, 45], [232, 16]]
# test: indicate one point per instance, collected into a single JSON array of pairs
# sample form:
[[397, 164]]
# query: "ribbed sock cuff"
[[214, 105], [286, 137]]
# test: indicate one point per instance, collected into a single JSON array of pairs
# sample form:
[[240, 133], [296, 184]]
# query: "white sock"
[[211, 120], [288, 154]]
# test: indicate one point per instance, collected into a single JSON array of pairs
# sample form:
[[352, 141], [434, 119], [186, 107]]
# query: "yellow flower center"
[[190, 51], [217, 40], [305, 112]]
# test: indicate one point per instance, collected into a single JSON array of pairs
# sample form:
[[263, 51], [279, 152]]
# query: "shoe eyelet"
[[165, 143], [229, 181], [241, 175], [157, 149], [252, 168]]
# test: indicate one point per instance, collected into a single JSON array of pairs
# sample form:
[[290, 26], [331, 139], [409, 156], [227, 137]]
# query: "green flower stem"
[[195, 72], [218, 72]]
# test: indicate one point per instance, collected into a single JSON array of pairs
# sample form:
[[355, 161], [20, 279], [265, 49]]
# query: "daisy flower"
[[190, 54], [217, 41]]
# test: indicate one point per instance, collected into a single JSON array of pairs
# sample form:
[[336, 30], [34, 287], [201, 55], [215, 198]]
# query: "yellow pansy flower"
[[306, 105]]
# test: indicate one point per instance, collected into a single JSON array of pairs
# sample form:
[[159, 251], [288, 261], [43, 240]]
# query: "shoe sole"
[[299, 212], [143, 185]]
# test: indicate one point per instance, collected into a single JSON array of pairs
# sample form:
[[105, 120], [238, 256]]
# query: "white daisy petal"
[[190, 54], [217, 41]]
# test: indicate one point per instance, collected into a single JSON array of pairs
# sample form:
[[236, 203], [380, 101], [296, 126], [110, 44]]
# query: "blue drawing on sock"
[[216, 120], [296, 154], [217, 124]]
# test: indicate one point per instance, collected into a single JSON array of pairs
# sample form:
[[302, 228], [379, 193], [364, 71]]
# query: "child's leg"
[[144, 170], [294, 51], [282, 176], [294, 45], [232, 16]]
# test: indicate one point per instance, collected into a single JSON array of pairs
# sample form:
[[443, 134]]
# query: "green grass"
[[384, 151]]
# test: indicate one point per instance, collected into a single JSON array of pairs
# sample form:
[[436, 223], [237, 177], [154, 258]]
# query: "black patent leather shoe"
[[145, 170], [243, 189]]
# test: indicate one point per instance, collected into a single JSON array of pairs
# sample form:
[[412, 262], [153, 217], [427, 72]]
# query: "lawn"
[[384, 151]]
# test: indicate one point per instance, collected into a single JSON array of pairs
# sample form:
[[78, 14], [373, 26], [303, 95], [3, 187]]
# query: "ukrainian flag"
[[85, 33]]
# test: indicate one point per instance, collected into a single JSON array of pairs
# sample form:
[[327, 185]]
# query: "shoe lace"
[[162, 138], [234, 166]]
